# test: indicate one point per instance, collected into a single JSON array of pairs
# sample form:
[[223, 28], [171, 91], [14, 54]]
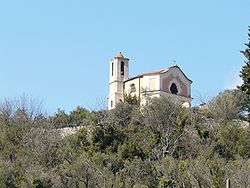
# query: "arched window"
[[122, 68], [173, 89]]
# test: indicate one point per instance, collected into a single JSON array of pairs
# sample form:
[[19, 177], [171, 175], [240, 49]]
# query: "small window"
[[111, 104], [132, 88], [173, 89], [112, 69], [122, 68]]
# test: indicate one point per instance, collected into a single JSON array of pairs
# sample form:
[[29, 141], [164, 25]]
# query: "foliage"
[[228, 105], [133, 100], [107, 137], [130, 150], [245, 72], [166, 183], [78, 117], [233, 140], [167, 119], [158, 145]]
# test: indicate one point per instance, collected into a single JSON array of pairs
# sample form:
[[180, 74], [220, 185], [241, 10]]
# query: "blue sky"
[[58, 51]]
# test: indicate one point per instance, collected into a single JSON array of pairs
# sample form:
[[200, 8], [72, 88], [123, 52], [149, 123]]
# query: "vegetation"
[[160, 145], [245, 73]]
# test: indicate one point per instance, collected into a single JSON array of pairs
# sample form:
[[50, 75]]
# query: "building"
[[164, 82]]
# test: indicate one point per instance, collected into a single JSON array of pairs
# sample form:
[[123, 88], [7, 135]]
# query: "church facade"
[[164, 82]]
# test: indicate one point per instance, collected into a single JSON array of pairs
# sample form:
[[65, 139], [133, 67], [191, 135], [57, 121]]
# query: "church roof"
[[151, 72], [160, 71]]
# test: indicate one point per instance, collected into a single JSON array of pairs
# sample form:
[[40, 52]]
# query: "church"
[[163, 82]]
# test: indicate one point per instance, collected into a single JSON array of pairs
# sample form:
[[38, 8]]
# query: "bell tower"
[[118, 73]]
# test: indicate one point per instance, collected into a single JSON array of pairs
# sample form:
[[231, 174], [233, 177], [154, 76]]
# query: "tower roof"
[[119, 55]]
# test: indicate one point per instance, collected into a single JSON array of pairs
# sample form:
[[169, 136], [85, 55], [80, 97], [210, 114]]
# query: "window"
[[132, 88], [173, 89], [111, 104], [122, 68], [112, 69]]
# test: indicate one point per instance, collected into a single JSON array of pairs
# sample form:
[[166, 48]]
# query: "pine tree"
[[245, 73]]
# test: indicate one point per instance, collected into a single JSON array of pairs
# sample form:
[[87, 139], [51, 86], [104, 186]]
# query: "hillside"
[[159, 145]]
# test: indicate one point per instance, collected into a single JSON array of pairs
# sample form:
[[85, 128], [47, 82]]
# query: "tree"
[[134, 100], [130, 150], [137, 173], [167, 119], [233, 140], [238, 171], [79, 117], [61, 119], [122, 114], [227, 105], [107, 137], [81, 173], [28, 145], [245, 73]]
